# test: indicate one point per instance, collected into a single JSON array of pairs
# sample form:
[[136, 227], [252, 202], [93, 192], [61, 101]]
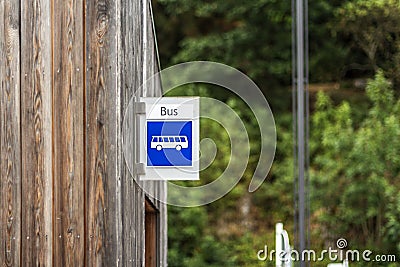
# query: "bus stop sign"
[[169, 138], [169, 143]]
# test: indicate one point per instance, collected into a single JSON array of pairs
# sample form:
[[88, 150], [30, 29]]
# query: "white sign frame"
[[188, 110]]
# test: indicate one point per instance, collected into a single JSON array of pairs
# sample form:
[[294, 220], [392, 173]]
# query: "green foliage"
[[194, 239], [253, 36], [189, 244], [258, 30], [373, 28], [355, 161], [392, 215], [356, 170], [354, 178]]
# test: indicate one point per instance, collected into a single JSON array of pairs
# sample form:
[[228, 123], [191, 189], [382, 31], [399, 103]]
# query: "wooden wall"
[[68, 69]]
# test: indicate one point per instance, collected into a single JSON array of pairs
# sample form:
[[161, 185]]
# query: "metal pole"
[[300, 122]]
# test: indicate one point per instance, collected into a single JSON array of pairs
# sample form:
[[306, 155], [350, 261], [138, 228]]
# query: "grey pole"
[[300, 124]]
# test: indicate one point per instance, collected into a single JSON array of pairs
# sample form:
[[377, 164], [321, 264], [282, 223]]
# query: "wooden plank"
[[138, 39], [103, 124], [68, 127], [36, 134], [131, 79], [10, 146], [159, 188]]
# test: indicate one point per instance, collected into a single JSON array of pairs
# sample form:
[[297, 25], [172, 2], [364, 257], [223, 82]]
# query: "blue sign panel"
[[169, 143]]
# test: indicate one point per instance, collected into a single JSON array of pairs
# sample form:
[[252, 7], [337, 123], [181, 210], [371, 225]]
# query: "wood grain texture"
[[36, 134], [103, 123], [68, 133], [158, 189], [140, 62], [131, 79], [10, 146], [68, 70]]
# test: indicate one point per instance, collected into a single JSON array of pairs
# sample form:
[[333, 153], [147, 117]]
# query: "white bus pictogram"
[[161, 142]]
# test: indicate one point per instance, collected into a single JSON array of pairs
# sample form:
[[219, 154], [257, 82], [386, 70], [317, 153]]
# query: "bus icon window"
[[161, 142]]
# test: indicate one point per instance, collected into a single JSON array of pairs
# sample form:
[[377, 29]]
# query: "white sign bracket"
[[140, 108], [140, 169]]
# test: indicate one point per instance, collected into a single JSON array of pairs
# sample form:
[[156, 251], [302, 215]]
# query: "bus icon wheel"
[[159, 147], [178, 147]]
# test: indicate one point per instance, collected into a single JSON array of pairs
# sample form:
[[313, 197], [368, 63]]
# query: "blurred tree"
[[355, 163], [202, 236], [356, 170], [190, 244], [253, 36], [372, 27]]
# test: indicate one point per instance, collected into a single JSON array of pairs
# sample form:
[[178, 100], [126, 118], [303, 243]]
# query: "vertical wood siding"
[[68, 70], [10, 140], [36, 133], [132, 208], [68, 133], [102, 133]]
